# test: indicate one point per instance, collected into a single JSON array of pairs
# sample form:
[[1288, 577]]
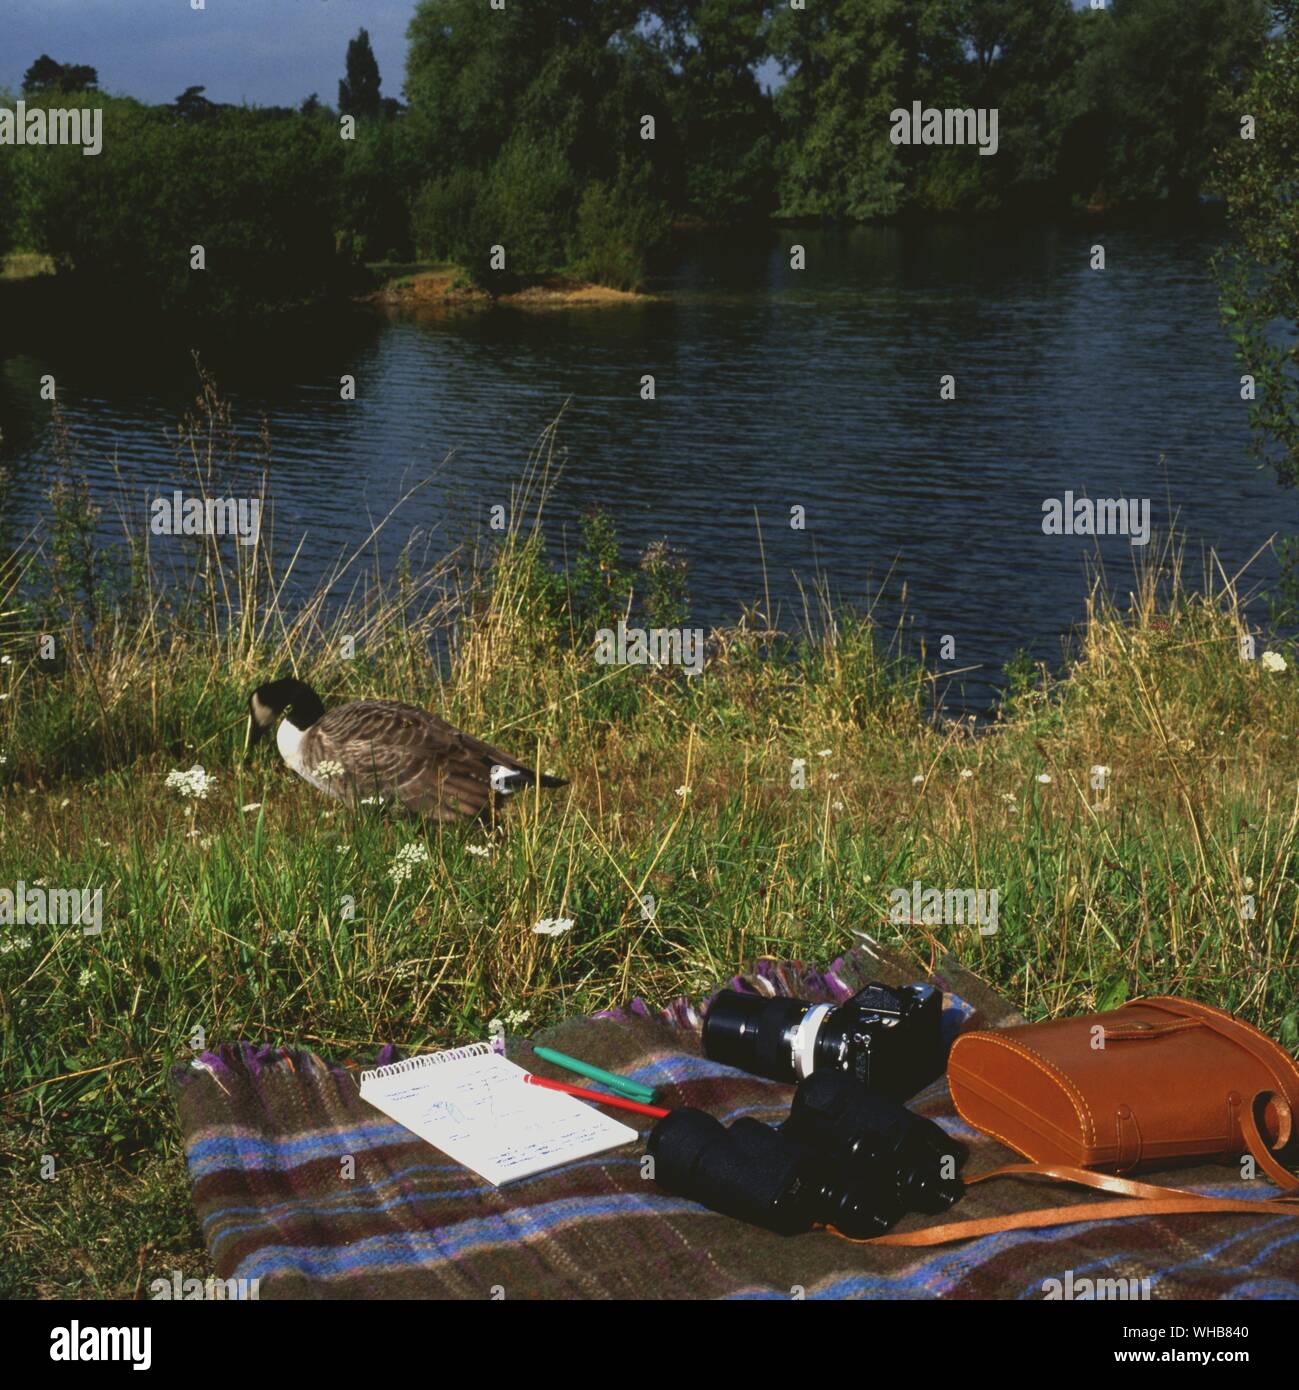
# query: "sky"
[[264, 52]]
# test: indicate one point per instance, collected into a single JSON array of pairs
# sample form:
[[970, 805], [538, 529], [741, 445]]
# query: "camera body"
[[844, 1158], [889, 1039]]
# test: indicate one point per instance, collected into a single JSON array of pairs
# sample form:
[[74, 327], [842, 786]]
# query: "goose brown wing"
[[403, 753]]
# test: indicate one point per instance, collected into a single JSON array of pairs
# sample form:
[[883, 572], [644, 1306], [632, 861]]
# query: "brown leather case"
[[1157, 1082]]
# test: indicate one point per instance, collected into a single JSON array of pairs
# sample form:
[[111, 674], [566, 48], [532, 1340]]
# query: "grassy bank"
[[227, 914], [428, 286], [24, 265]]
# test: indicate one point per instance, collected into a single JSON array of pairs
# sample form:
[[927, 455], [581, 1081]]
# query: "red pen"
[[599, 1097]]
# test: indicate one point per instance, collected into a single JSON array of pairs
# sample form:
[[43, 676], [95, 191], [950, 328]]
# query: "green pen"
[[632, 1089]]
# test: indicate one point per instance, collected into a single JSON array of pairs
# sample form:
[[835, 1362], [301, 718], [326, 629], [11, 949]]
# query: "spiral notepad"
[[473, 1104]]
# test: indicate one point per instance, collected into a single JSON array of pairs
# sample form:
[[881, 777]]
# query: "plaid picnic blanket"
[[267, 1133]]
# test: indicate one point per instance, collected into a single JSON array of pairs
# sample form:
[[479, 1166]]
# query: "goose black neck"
[[301, 704]]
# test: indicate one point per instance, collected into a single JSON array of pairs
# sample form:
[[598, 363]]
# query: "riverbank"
[[1137, 819]]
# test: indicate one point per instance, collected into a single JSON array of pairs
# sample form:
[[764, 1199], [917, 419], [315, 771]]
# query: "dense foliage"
[[572, 134], [254, 190], [1259, 174]]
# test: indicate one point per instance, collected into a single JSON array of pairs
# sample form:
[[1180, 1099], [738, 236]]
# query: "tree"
[[849, 65], [192, 105], [469, 67], [257, 192], [8, 201], [45, 75], [358, 92], [1163, 73], [1259, 274], [723, 120], [517, 114], [1023, 56]]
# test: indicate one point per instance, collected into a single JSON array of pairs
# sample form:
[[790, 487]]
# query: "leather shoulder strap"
[[1144, 1199]]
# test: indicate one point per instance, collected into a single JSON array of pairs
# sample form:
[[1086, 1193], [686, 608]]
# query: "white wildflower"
[[194, 784], [1044, 778], [553, 926], [966, 774], [683, 791], [512, 1019], [252, 806], [329, 767], [14, 943], [837, 805], [824, 752], [1273, 661], [917, 779], [481, 851], [403, 866], [372, 801], [84, 978]]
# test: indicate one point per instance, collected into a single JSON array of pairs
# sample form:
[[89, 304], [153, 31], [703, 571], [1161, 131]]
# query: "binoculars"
[[844, 1158]]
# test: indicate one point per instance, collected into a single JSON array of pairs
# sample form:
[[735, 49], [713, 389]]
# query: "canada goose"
[[386, 749]]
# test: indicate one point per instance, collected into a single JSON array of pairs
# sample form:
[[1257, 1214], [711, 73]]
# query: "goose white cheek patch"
[[502, 779]]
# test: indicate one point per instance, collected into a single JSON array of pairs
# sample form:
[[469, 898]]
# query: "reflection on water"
[[775, 389]]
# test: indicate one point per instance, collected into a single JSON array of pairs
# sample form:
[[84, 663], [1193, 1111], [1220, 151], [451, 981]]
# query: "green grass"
[[234, 921]]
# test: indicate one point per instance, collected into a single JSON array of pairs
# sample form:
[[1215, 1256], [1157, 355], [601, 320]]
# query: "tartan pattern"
[[266, 1133]]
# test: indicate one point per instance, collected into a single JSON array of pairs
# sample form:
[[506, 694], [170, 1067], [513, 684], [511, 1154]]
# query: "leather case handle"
[[1145, 1199]]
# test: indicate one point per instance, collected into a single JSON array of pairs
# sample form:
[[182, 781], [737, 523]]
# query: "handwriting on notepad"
[[474, 1106]]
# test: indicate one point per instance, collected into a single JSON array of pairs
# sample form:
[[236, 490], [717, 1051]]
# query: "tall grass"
[[266, 912]]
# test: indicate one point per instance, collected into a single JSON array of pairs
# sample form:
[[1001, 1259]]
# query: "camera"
[[844, 1158], [889, 1039]]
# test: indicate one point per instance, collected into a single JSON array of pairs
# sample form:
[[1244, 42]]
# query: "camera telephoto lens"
[[889, 1039], [754, 1034]]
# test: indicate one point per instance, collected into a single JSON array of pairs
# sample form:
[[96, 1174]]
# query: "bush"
[[8, 205], [619, 229], [525, 203], [532, 199], [378, 175], [256, 191]]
